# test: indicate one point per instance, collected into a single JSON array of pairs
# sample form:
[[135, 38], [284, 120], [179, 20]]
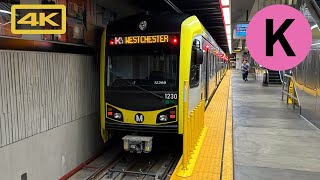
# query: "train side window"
[[194, 75], [210, 65], [194, 69], [204, 68]]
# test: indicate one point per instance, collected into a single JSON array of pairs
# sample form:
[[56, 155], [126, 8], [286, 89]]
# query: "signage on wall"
[[240, 31]]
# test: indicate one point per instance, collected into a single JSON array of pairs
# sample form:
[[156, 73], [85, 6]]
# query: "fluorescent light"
[[228, 30], [225, 2], [4, 11], [229, 37], [226, 15]]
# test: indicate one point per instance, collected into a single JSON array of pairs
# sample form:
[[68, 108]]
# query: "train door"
[[208, 64]]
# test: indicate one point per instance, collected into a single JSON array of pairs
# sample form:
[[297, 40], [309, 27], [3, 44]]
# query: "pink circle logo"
[[279, 37]]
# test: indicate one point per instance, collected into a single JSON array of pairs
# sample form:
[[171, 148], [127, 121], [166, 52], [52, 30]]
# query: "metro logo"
[[32, 20], [118, 40]]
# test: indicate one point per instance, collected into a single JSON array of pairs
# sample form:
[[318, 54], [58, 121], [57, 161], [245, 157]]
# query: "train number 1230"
[[171, 96]]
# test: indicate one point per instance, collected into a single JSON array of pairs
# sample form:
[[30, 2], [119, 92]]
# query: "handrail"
[[267, 76], [281, 78], [293, 95]]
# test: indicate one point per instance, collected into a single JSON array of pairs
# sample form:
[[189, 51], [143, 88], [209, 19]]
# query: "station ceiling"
[[208, 12]]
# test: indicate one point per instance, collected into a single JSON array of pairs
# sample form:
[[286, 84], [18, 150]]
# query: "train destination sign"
[[140, 39]]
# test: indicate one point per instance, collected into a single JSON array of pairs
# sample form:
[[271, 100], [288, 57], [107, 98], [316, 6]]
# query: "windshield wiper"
[[118, 77]]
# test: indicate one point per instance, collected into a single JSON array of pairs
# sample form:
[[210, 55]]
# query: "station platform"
[[252, 134]]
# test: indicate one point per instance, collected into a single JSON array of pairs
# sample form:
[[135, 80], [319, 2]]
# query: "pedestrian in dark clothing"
[[245, 70]]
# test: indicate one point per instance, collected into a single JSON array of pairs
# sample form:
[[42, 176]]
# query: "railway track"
[[129, 166], [117, 164]]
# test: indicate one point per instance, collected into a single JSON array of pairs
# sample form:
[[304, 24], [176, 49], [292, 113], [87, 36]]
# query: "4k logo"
[[35, 22]]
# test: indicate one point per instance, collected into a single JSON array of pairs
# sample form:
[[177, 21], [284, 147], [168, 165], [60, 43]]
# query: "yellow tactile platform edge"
[[227, 170], [209, 163]]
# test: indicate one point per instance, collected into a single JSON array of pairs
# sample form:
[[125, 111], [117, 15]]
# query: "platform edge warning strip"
[[227, 166], [209, 163]]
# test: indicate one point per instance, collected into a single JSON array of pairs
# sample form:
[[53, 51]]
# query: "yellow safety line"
[[208, 164], [227, 170]]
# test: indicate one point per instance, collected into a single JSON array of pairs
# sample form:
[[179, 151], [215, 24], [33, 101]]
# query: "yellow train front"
[[145, 60]]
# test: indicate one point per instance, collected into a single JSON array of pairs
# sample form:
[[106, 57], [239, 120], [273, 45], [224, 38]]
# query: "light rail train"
[[145, 60]]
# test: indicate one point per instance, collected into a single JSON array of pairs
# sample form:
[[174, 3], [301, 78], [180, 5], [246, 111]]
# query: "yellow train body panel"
[[104, 133]]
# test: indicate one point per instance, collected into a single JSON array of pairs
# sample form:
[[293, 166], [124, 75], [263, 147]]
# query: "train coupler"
[[137, 144]]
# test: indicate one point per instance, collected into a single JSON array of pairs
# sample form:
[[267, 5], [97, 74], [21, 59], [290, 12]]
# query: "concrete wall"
[[48, 113]]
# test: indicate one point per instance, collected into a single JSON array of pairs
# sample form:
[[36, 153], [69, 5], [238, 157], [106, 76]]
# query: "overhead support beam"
[[202, 9], [173, 6], [206, 13], [217, 18], [211, 24], [216, 27], [189, 5]]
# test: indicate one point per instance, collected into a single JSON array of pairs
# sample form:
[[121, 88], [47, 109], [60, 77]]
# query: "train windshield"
[[153, 68]]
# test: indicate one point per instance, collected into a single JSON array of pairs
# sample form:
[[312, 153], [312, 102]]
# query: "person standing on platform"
[[245, 70]]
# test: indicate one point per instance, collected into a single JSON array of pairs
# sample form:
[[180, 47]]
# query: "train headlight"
[[163, 118], [117, 115]]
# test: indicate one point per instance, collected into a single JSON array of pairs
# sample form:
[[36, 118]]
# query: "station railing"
[[289, 89]]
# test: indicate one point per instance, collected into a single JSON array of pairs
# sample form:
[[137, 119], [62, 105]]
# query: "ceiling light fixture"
[[228, 30], [226, 16], [4, 11], [225, 2]]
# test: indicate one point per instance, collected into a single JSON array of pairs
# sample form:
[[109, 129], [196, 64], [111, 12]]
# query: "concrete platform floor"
[[271, 141]]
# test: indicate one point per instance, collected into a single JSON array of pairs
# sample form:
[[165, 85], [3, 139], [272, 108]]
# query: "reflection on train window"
[[204, 69], [194, 68], [194, 75], [152, 70]]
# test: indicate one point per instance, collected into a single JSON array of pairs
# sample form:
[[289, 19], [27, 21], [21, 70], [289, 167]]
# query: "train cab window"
[[152, 67], [194, 68]]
